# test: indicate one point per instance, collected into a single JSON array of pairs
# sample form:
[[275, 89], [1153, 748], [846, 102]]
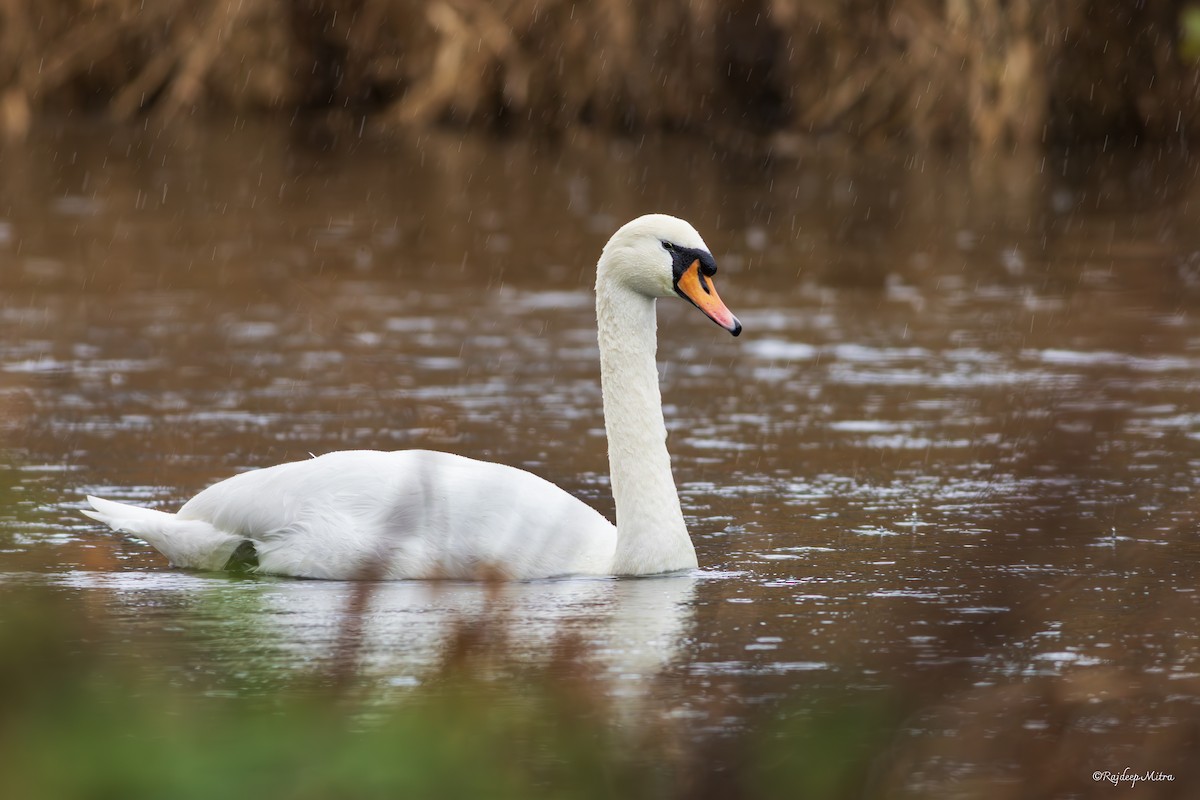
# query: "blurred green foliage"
[[84, 713], [827, 749], [85, 718], [1189, 33]]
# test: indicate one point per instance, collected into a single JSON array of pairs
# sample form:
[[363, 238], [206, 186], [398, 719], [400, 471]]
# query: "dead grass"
[[773, 72]]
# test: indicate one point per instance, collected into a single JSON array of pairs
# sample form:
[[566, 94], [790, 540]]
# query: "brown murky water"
[[957, 446]]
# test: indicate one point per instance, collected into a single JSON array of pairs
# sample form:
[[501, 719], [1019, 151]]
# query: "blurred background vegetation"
[[770, 73]]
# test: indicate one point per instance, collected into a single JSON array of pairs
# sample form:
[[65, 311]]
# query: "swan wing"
[[406, 514]]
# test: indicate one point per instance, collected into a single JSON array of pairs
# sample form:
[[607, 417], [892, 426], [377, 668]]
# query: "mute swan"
[[423, 514]]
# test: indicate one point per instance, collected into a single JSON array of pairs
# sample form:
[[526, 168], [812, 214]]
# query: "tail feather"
[[189, 543], [125, 518]]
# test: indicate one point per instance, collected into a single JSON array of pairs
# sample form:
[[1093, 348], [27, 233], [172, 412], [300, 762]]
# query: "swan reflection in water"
[[631, 628]]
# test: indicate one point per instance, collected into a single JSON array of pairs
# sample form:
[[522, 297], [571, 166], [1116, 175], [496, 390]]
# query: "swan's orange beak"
[[698, 288]]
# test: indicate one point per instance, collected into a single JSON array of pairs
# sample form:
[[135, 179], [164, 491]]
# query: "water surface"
[[954, 453]]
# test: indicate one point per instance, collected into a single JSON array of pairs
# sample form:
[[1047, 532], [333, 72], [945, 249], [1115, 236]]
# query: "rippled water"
[[958, 444]]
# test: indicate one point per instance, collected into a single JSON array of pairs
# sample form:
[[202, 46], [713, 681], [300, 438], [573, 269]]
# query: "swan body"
[[424, 514], [403, 514]]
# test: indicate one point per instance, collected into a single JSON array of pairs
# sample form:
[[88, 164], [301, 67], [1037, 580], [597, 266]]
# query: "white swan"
[[423, 514]]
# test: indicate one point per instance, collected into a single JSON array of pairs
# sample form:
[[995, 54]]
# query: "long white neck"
[[651, 535]]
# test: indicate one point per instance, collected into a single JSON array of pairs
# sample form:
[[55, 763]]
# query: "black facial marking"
[[684, 257]]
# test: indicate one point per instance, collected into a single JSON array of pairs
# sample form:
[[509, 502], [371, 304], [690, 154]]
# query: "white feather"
[[424, 514]]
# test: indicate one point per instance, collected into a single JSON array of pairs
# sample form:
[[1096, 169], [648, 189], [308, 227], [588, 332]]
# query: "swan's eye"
[[670, 248]]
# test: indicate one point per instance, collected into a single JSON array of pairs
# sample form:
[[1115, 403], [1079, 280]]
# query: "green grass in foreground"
[[84, 715]]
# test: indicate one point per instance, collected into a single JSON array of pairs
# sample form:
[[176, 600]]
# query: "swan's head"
[[662, 256]]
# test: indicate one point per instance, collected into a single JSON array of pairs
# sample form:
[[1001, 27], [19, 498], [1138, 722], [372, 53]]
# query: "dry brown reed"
[[993, 72]]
